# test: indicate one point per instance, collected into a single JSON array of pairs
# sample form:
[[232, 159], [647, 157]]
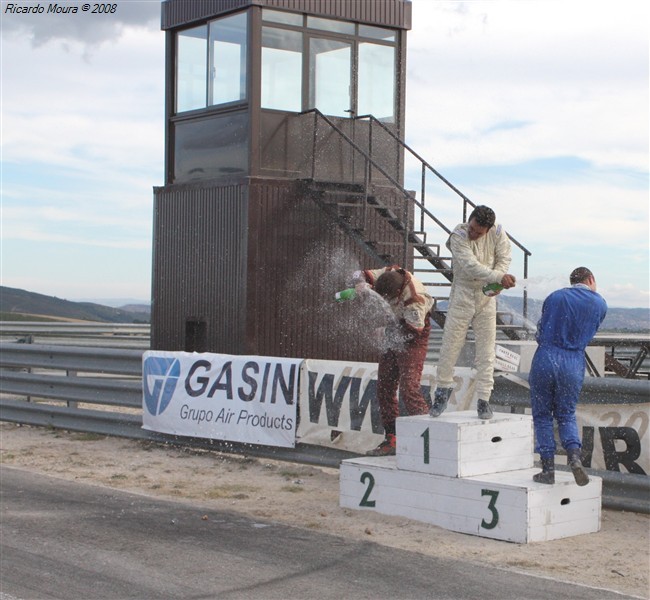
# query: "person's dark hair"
[[483, 215], [580, 275], [389, 284]]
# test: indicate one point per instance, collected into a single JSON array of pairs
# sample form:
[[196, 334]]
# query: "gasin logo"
[[160, 379]]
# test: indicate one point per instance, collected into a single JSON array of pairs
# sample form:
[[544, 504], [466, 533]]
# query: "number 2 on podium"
[[368, 479]]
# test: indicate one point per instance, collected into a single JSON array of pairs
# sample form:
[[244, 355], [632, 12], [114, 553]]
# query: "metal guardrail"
[[92, 360], [88, 328], [115, 335], [510, 390], [92, 390], [113, 378]]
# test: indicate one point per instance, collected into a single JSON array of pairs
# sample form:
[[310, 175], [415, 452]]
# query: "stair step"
[[426, 252], [358, 196], [346, 204], [398, 244], [387, 213], [427, 257], [430, 246], [329, 186], [437, 284], [432, 270], [447, 258]]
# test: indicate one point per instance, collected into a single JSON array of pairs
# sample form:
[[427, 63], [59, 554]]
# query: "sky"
[[537, 109]]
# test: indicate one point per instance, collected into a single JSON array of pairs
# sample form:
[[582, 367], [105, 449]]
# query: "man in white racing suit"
[[481, 254]]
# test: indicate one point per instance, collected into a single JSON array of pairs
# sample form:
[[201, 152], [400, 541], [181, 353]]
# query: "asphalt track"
[[70, 540]]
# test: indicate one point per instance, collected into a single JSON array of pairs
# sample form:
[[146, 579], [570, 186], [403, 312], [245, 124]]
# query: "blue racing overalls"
[[570, 318]]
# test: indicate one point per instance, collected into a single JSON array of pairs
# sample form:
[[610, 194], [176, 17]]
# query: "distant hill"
[[624, 320], [122, 303], [21, 305]]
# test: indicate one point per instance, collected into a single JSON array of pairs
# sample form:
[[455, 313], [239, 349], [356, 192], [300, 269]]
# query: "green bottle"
[[344, 295], [492, 289]]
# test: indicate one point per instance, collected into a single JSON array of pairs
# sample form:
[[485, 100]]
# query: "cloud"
[[82, 139], [574, 84], [626, 295], [548, 214]]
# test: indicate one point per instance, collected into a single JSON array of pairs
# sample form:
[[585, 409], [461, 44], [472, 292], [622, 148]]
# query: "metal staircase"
[[371, 187]]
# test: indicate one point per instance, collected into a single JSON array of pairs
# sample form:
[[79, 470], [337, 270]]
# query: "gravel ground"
[[615, 558]]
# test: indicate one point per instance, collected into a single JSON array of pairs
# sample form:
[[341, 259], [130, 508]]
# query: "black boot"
[[483, 409], [547, 474], [440, 399], [575, 463]]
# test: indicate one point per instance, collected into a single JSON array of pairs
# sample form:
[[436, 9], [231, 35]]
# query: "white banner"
[[506, 360], [249, 399], [256, 400], [338, 405], [615, 437]]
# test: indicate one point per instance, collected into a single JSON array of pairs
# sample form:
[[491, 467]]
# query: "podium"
[[471, 476]]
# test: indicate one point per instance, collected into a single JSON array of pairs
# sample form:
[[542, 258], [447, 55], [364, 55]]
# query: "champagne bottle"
[[344, 295], [492, 289]]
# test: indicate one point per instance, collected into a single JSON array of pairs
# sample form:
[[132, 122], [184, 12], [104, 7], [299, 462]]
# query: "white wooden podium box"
[[504, 504], [458, 444]]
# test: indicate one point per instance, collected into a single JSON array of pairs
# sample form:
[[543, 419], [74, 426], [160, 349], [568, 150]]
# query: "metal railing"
[[109, 380], [412, 238]]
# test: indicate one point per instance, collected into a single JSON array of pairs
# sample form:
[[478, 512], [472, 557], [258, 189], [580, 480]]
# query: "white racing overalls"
[[475, 264]]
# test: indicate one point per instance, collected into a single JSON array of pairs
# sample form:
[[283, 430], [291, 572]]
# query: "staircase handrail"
[[368, 158]]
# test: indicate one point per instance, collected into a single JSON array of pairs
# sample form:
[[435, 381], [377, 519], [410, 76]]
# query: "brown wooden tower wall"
[[247, 253]]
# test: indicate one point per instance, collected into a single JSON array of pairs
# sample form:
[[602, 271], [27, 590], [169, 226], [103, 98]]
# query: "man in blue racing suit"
[[570, 318]]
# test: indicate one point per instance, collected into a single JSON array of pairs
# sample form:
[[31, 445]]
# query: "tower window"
[[211, 63]]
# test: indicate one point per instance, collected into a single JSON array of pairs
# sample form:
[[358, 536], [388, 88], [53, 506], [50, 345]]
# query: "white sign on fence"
[[250, 399], [273, 401], [506, 360], [338, 405], [615, 437]]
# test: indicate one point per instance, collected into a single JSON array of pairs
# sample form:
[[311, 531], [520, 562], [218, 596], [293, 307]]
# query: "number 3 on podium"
[[492, 508]]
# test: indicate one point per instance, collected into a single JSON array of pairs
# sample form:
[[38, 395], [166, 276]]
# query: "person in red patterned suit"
[[406, 339]]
